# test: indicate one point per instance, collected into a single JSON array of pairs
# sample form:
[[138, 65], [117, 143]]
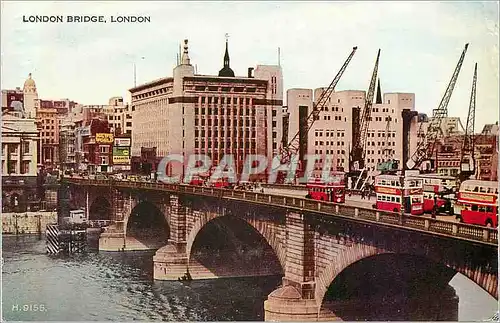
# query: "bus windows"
[[476, 189], [398, 200], [482, 189], [415, 200], [467, 188], [489, 209], [474, 207]]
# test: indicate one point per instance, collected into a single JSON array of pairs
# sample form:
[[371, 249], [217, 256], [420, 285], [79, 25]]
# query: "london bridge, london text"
[[86, 19]]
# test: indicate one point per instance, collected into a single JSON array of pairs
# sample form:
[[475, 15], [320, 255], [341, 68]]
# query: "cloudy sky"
[[420, 44]]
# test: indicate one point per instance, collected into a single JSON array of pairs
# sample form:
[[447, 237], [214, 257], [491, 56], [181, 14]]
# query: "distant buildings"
[[212, 115], [332, 133], [448, 156]]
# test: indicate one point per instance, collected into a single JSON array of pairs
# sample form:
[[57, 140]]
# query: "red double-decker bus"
[[477, 203], [388, 189], [331, 191], [439, 188]]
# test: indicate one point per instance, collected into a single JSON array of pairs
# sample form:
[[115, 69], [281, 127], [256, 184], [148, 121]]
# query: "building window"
[[26, 147]]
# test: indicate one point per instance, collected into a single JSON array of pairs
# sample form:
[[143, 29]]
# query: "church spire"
[[226, 55], [379, 94], [226, 71]]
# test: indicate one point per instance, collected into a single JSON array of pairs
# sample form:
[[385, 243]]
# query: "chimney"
[[250, 72]]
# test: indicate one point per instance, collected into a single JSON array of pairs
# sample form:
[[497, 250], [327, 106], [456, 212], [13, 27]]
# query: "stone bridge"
[[313, 245]]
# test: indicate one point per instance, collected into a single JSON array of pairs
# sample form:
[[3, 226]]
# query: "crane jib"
[[293, 146], [426, 147]]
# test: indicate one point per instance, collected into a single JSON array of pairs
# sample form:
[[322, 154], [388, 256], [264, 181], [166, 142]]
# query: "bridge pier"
[[113, 239], [170, 262], [288, 304], [295, 300]]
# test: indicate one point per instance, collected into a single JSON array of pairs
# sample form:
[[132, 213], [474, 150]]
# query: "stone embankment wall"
[[27, 222]]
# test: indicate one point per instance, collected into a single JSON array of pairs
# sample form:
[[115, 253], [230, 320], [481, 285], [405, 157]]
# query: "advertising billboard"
[[84, 131], [104, 138], [121, 160], [121, 155], [122, 142], [121, 151]]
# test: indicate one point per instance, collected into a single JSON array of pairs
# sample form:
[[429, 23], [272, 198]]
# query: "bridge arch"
[[392, 284], [100, 209], [356, 252], [146, 227], [265, 229]]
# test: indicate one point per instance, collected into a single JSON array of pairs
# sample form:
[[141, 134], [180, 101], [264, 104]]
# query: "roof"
[[480, 183], [151, 83]]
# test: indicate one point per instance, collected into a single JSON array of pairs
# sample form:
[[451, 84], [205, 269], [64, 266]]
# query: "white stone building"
[[19, 145], [213, 115]]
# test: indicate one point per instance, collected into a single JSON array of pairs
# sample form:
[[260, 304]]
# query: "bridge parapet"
[[433, 226]]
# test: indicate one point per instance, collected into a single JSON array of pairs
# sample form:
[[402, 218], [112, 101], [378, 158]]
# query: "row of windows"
[[331, 143], [226, 100], [224, 111], [225, 144], [13, 148], [334, 109], [480, 208], [12, 167], [381, 134], [481, 189], [329, 151], [337, 118], [372, 152], [319, 133], [396, 183], [216, 156], [390, 143], [241, 123], [236, 89], [382, 119], [388, 198], [449, 163], [215, 133], [383, 109]]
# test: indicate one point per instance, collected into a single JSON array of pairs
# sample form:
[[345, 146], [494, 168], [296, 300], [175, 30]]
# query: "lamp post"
[[402, 208], [135, 71]]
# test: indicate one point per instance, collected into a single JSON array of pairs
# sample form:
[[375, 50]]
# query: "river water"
[[119, 286]]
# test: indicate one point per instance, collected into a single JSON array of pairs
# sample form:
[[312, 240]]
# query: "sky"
[[420, 44]]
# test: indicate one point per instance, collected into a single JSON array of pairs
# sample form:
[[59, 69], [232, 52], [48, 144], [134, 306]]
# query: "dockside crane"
[[360, 131], [292, 148], [425, 148], [467, 161]]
